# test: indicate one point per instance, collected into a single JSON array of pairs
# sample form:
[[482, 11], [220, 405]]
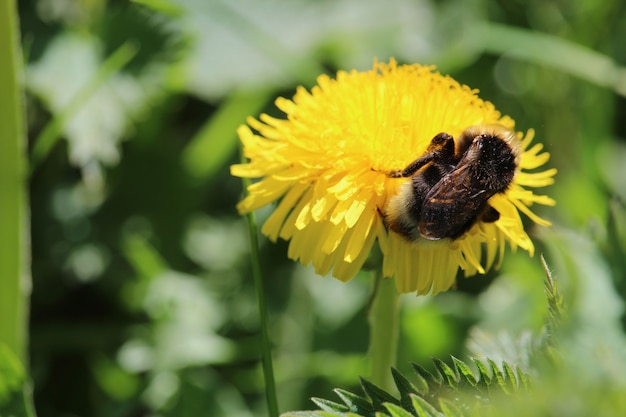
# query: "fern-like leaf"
[[378, 395], [355, 403], [424, 409], [438, 394], [398, 411], [449, 409], [448, 375], [465, 372], [555, 304], [406, 389], [330, 406]]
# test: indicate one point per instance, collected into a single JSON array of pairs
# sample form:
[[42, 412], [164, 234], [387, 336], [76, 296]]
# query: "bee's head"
[[492, 160]]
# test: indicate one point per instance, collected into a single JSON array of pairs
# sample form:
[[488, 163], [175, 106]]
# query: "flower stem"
[[266, 349], [384, 320]]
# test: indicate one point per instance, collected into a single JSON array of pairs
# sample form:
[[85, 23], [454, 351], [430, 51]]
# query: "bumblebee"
[[451, 184]]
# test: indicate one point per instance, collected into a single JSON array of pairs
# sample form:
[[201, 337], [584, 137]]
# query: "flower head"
[[329, 165]]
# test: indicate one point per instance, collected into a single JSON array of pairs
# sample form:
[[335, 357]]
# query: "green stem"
[[266, 349], [14, 246], [384, 321]]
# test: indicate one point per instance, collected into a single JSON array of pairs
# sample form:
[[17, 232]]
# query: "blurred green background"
[[143, 303]]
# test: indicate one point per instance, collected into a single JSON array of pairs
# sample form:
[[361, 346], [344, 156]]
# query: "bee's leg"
[[489, 214], [441, 148]]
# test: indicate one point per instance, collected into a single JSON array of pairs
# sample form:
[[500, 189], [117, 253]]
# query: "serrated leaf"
[[555, 304], [511, 377], [499, 376], [447, 373], [421, 382], [449, 409], [330, 406], [423, 408], [428, 378], [378, 395], [525, 382], [465, 371], [397, 411], [485, 375], [354, 402], [406, 388]]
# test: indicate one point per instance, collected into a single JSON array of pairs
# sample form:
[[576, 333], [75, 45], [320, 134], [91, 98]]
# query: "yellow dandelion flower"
[[336, 162]]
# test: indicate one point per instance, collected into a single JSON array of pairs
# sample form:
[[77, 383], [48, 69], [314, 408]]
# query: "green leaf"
[[511, 378], [465, 371], [447, 373], [421, 381], [426, 377], [555, 303], [524, 380], [406, 388], [498, 376], [355, 402], [485, 375], [378, 395], [445, 389], [449, 409], [330, 406], [423, 408], [397, 411]]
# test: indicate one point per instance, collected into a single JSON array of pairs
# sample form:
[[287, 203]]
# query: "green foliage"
[[556, 305], [450, 391]]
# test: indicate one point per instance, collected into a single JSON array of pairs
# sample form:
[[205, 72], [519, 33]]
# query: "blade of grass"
[[14, 270], [49, 136], [15, 280]]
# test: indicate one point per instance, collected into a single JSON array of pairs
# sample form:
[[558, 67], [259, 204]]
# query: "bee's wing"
[[451, 207]]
